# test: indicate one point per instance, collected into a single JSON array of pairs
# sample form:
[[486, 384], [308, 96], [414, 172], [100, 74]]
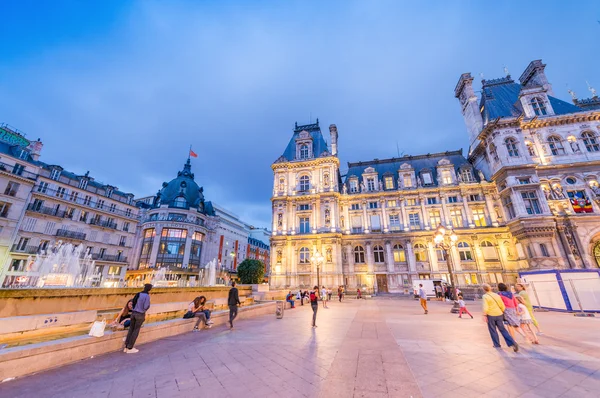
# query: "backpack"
[[135, 299], [313, 297]]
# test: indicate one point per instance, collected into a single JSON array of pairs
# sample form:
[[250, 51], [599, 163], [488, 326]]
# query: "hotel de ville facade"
[[525, 197]]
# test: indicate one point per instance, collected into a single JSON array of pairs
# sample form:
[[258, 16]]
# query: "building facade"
[[50, 205], [526, 196]]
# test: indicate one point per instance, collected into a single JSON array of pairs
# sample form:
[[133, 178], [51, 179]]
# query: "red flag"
[[193, 154]]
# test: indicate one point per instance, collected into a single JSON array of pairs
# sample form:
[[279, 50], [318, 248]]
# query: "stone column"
[[468, 215], [155, 245], [188, 246], [369, 255], [365, 215], [432, 257], [389, 257], [445, 213], [490, 208], [404, 215], [316, 216], [332, 216], [457, 266], [347, 221], [571, 262], [384, 220], [410, 256], [293, 217], [426, 222], [350, 255]]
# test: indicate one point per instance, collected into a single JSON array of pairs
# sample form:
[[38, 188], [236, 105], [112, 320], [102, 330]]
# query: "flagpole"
[[190, 153]]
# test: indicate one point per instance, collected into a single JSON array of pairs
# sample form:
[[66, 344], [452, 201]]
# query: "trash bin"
[[279, 308]]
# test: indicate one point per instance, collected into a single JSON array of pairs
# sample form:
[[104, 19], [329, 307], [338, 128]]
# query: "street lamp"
[[317, 259], [443, 239]]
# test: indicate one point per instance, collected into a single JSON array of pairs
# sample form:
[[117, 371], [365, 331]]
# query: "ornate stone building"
[[526, 196]]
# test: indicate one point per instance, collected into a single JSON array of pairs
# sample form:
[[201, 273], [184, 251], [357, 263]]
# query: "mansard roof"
[[319, 144], [500, 99], [418, 163]]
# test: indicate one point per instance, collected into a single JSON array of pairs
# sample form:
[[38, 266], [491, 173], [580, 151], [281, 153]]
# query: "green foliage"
[[251, 271]]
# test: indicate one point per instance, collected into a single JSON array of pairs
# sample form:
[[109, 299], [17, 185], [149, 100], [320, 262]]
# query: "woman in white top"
[[526, 320], [324, 296]]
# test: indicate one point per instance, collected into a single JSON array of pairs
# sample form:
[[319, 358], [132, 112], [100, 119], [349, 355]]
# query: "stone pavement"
[[362, 348]]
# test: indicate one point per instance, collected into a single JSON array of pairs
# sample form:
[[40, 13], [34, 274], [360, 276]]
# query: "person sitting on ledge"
[[205, 310], [196, 308], [290, 299], [123, 320]]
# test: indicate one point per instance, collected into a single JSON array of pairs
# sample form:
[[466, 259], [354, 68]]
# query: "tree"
[[251, 271]]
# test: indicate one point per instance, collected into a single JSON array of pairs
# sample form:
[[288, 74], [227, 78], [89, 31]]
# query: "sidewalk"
[[361, 348]]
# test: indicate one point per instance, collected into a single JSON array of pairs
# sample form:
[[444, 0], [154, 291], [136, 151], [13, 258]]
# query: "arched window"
[[378, 254], [590, 141], [538, 106], [464, 251], [303, 151], [359, 255], [304, 255], [399, 254], [489, 250], [180, 202], [597, 253], [493, 151], [556, 146], [304, 183], [420, 252], [544, 250], [511, 147]]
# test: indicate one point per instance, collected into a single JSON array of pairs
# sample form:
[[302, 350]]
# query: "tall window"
[[479, 218], [180, 202], [83, 183], [304, 183], [55, 174], [556, 146], [590, 141], [446, 177], [427, 180], [464, 251], [394, 222], [353, 186], [407, 181], [370, 184], [375, 223], [399, 254], [414, 221], [467, 175], [489, 250], [11, 188], [420, 252], [456, 218], [538, 106], [304, 225], [359, 255], [389, 182], [304, 255], [378, 254], [532, 204], [508, 205], [544, 250], [304, 151], [440, 254], [511, 147], [434, 218]]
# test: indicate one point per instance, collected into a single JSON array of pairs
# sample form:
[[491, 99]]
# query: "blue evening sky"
[[122, 88]]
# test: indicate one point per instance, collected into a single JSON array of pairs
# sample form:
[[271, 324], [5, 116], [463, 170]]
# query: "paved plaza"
[[382, 347]]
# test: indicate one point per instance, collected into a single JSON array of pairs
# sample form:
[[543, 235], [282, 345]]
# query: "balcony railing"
[[26, 249], [70, 234], [105, 224], [109, 257], [49, 211], [17, 171]]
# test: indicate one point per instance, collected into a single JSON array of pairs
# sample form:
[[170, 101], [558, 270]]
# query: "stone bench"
[[24, 360], [16, 324]]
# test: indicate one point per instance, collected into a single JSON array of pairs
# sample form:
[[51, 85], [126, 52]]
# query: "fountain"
[[208, 275], [159, 278], [64, 265]]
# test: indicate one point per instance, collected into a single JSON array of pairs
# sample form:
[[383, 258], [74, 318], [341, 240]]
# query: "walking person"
[[493, 315], [510, 312], [233, 301], [340, 293], [438, 292], [423, 298], [526, 320], [358, 294], [462, 307], [314, 303], [522, 292], [324, 296], [141, 303], [329, 294]]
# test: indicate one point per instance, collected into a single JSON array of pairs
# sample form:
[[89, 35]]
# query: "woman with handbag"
[[493, 310], [196, 310]]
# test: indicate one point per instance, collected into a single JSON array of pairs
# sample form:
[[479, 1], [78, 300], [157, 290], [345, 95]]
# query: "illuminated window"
[[389, 182], [399, 254], [479, 218], [420, 252]]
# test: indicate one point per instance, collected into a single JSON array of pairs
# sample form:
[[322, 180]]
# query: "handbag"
[[188, 315], [97, 329]]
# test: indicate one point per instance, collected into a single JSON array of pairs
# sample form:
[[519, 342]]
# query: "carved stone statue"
[[279, 255], [380, 186], [558, 193], [328, 255], [459, 178], [327, 217], [547, 193], [481, 176], [419, 184], [344, 189], [279, 220], [342, 221]]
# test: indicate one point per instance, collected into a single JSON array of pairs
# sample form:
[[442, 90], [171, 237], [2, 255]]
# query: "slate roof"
[[500, 98], [319, 144], [418, 163]]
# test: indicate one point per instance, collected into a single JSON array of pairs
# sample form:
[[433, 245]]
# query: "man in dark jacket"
[[233, 301], [141, 303]]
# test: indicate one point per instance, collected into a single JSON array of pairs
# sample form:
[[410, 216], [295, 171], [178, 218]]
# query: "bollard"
[[279, 308]]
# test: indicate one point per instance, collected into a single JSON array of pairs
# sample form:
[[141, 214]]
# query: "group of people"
[[133, 314], [325, 295]]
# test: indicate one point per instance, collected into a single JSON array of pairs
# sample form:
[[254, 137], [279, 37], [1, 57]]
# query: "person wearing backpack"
[[314, 303], [141, 303]]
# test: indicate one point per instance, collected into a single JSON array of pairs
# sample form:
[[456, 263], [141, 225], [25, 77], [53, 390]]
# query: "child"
[[526, 320], [463, 307]]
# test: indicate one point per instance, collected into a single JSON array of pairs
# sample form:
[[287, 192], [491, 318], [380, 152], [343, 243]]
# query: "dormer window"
[[109, 192], [304, 151], [427, 180], [467, 175], [538, 106], [511, 147], [55, 174], [353, 186], [180, 202], [407, 181], [446, 177], [389, 182], [370, 184], [83, 184]]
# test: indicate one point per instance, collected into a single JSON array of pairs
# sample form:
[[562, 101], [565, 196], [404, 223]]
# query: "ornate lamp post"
[[317, 259], [443, 239]]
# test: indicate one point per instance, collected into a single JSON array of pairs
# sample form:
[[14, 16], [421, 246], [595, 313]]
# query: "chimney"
[[534, 76], [35, 148], [334, 137], [469, 106]]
